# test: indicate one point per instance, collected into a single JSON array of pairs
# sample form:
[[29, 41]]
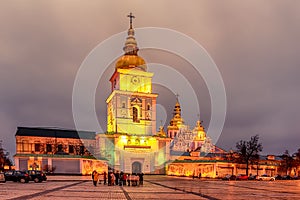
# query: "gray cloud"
[[255, 44]]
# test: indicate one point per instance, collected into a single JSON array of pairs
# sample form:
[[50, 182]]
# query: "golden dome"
[[131, 61]]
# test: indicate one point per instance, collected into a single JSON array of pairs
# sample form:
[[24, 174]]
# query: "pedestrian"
[[104, 178], [128, 179], [113, 178], [117, 176], [136, 179], [95, 177], [93, 174], [141, 176], [121, 178], [109, 179], [124, 179]]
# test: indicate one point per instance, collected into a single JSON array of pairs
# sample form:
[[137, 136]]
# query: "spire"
[[177, 109], [177, 96], [199, 131], [199, 126], [130, 17], [130, 47], [177, 120], [130, 59]]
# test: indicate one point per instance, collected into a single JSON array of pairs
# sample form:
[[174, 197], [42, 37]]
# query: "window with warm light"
[[37, 147], [71, 149], [135, 114], [48, 148]]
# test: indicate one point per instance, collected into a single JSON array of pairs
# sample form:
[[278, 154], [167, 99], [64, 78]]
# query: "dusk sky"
[[255, 45]]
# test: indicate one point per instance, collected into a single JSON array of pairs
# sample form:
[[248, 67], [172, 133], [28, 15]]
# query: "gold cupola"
[[177, 121], [130, 59], [199, 129]]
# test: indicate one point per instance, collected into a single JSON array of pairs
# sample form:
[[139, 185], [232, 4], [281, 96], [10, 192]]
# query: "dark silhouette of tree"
[[296, 156], [248, 151], [4, 158], [288, 162]]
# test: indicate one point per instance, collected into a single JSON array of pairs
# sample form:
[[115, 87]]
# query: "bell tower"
[[131, 106]]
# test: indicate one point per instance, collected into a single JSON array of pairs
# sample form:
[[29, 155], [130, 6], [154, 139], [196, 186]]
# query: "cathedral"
[[132, 142]]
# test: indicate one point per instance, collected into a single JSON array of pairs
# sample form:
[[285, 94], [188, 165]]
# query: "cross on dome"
[[177, 96], [130, 18]]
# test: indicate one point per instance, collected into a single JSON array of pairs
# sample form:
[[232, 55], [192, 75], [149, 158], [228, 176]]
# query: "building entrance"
[[136, 167]]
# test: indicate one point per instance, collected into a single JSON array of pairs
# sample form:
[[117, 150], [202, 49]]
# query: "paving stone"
[[155, 187]]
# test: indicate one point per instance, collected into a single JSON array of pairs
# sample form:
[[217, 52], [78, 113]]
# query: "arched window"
[[148, 106], [135, 114]]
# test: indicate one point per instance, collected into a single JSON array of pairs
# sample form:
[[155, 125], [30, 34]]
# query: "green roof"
[[55, 133]]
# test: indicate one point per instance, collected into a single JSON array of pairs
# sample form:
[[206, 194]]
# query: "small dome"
[[131, 61]]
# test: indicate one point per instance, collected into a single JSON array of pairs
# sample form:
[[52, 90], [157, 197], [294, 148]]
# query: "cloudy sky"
[[255, 45]]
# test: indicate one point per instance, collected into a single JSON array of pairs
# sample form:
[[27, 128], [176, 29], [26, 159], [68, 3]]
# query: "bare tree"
[[248, 151], [296, 155], [4, 158], [288, 162]]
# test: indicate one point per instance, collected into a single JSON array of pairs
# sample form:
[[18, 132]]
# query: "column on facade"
[[17, 164], [50, 162], [234, 169], [214, 170], [143, 110], [264, 170], [80, 165]]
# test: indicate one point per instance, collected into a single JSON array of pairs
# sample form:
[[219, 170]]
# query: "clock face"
[[135, 80]]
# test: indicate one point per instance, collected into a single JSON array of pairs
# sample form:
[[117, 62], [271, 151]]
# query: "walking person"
[[141, 176], [104, 178], [95, 177], [136, 179], [93, 173], [124, 178], [113, 178], [121, 179], [117, 176], [109, 179], [128, 179]]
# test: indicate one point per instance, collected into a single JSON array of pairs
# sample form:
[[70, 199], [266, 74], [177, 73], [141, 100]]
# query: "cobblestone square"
[[155, 187]]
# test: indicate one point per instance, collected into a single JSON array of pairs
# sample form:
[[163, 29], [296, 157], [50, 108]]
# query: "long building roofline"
[[54, 132]]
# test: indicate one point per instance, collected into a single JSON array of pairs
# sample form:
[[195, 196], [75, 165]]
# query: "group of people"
[[121, 179]]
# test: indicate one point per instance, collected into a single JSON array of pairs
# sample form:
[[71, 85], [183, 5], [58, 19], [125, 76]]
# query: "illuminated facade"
[[183, 139], [131, 106], [218, 165], [55, 150], [131, 143]]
